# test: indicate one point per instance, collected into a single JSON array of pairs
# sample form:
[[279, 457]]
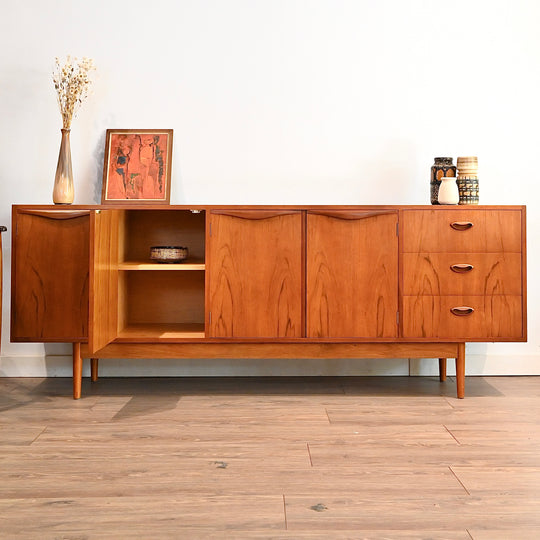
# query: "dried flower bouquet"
[[72, 83]]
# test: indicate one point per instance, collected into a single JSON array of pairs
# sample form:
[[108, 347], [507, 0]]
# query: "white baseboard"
[[481, 364], [60, 366]]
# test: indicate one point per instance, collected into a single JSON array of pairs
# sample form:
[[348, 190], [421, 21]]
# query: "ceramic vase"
[[468, 180], [448, 191], [442, 167], [63, 181]]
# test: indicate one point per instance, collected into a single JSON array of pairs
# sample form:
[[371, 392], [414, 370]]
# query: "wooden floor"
[[317, 458]]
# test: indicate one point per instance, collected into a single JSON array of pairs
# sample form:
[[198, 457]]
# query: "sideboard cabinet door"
[[50, 275], [255, 277], [104, 290], [352, 274]]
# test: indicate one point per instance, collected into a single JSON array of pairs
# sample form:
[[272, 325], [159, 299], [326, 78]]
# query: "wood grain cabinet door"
[[352, 274], [50, 268], [104, 285], [255, 274]]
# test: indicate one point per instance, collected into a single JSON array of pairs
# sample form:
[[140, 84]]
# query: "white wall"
[[281, 101]]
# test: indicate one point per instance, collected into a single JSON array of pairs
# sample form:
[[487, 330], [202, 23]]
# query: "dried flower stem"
[[72, 83]]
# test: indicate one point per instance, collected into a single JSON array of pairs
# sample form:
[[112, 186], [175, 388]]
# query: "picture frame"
[[137, 166]]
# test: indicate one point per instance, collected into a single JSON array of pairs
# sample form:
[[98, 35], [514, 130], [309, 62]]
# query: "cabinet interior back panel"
[[156, 297], [146, 228]]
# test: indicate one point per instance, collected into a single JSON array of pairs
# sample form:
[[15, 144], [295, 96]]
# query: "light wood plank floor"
[[314, 458]]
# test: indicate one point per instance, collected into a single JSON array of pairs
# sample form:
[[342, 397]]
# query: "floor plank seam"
[[213, 466], [38, 435], [449, 403], [461, 483], [453, 436], [309, 454], [98, 399]]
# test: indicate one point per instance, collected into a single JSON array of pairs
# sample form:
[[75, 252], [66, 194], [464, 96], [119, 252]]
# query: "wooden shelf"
[[162, 331], [145, 265]]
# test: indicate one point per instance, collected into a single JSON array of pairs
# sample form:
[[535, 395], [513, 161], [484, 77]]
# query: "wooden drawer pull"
[[461, 268], [461, 225], [462, 311]]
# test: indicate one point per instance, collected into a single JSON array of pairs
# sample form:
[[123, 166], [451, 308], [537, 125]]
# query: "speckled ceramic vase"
[[442, 167]]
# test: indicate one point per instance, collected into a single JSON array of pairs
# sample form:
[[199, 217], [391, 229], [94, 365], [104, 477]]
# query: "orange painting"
[[137, 166]]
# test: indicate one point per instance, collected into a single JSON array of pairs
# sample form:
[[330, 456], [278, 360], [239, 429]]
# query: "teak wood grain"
[[275, 281], [50, 268], [265, 350], [146, 228], [491, 231], [495, 317], [256, 275], [104, 288], [156, 297], [352, 275], [462, 273]]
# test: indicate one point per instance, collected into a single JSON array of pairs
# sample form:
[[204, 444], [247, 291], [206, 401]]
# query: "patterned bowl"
[[168, 254]]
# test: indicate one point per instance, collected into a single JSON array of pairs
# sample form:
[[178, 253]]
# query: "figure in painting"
[[119, 168]]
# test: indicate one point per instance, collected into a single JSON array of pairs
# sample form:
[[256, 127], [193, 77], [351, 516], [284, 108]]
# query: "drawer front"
[[461, 230], [461, 274], [463, 317]]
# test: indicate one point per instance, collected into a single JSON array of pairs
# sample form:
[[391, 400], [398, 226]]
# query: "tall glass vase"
[[63, 181]]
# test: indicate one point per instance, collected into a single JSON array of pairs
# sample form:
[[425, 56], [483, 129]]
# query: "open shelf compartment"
[[160, 301], [142, 229], [160, 305]]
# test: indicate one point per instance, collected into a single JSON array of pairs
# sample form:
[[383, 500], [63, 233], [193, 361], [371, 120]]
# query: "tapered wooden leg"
[[94, 369], [460, 371], [77, 370], [442, 369]]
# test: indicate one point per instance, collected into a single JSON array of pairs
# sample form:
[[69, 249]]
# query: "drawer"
[[461, 273], [463, 317], [461, 230]]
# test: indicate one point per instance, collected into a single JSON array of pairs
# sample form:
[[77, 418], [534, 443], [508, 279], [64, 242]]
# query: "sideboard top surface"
[[136, 206]]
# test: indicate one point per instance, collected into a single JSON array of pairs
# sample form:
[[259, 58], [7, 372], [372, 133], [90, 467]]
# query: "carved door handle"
[[462, 311], [461, 268], [461, 225], [56, 214], [351, 214], [254, 214]]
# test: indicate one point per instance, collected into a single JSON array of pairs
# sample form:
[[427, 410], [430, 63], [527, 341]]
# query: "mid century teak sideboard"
[[269, 281]]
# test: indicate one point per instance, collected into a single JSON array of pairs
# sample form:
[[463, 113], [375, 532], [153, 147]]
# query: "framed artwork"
[[137, 166]]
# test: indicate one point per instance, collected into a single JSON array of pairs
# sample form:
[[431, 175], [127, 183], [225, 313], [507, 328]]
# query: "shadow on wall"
[[99, 156], [57, 360]]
